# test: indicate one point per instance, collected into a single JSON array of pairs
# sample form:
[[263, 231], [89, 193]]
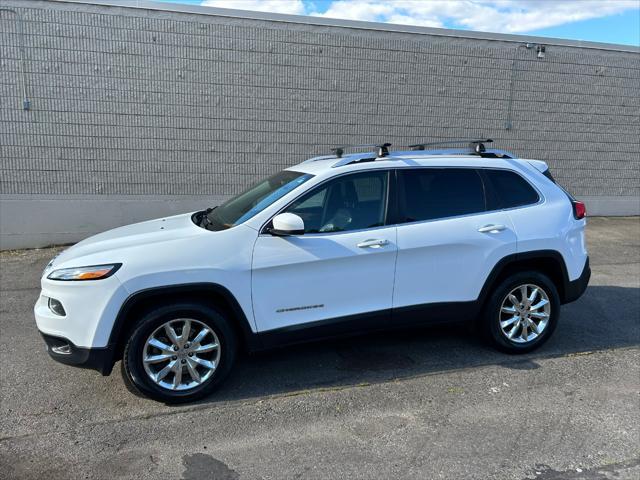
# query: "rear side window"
[[547, 174], [431, 193], [508, 190]]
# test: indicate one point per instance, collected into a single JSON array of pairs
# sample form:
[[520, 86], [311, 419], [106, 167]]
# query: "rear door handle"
[[373, 243], [491, 228]]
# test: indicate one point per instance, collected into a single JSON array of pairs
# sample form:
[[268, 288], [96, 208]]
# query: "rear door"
[[447, 240]]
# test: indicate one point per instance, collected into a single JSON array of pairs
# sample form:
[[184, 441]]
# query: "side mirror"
[[287, 224]]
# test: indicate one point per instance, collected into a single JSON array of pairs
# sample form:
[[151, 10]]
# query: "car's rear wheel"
[[522, 312], [179, 353]]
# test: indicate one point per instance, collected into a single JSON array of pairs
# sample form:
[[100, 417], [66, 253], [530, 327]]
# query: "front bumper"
[[64, 351], [574, 289], [90, 310]]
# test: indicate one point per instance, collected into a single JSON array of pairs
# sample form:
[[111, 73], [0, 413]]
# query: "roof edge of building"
[[355, 24]]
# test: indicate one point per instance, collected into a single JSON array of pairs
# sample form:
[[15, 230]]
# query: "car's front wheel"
[[179, 353], [522, 312]]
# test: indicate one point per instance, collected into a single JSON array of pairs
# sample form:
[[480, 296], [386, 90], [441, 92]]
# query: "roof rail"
[[382, 149], [321, 157], [475, 144], [488, 153], [475, 147]]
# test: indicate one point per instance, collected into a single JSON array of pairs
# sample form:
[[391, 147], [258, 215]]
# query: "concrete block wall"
[[137, 113]]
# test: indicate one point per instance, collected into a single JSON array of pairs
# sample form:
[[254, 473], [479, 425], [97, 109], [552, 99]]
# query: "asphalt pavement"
[[420, 404]]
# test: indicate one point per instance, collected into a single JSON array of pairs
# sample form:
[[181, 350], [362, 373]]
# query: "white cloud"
[[292, 7], [527, 15], [489, 15], [509, 16], [370, 11], [403, 19]]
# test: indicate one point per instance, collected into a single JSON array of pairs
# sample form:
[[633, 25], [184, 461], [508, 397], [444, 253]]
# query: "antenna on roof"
[[382, 149], [475, 145]]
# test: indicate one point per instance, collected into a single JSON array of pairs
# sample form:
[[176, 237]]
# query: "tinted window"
[[509, 190], [429, 193], [351, 202], [547, 174]]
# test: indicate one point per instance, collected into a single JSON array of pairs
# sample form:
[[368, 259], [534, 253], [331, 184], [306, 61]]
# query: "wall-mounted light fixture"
[[540, 49]]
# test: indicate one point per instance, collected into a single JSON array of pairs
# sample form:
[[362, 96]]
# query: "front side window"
[[251, 202], [350, 202], [508, 190], [431, 193]]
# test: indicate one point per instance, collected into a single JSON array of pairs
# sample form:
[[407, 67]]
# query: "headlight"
[[94, 272]]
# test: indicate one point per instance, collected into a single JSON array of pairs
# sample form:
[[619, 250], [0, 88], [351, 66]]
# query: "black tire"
[[491, 315], [133, 368]]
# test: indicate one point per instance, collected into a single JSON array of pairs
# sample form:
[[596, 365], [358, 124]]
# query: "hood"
[[145, 233]]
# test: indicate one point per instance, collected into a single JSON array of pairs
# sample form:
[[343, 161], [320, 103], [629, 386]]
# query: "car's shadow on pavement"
[[605, 317]]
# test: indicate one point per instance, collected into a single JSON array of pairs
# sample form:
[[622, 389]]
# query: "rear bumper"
[[64, 351], [574, 289]]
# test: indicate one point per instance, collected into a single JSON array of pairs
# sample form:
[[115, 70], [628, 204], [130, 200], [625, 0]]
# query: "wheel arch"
[[215, 295], [547, 262]]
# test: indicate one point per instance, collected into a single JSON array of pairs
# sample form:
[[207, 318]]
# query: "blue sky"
[[611, 21]]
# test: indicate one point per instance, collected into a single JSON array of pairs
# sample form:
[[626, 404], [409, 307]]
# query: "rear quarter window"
[[508, 190]]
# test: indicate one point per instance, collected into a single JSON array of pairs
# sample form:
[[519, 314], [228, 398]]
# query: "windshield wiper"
[[211, 223], [206, 221], [202, 218]]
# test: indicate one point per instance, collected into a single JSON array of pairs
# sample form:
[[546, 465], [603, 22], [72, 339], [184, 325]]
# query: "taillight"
[[579, 210]]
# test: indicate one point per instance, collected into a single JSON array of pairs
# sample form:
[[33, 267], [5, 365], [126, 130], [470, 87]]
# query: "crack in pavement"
[[545, 472]]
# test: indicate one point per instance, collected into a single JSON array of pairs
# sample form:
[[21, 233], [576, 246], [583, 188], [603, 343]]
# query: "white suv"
[[335, 245]]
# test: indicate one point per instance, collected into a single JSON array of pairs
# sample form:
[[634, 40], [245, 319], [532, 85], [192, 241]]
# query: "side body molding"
[[549, 261]]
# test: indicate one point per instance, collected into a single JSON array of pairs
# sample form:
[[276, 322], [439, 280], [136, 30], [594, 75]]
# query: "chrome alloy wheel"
[[524, 313], [181, 354]]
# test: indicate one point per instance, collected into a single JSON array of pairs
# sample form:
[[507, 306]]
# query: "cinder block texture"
[[128, 101]]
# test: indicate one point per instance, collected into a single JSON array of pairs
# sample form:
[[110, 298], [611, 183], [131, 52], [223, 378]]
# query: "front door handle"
[[491, 228], [373, 243]]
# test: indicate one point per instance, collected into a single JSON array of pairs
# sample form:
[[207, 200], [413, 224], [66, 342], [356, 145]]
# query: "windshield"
[[241, 208]]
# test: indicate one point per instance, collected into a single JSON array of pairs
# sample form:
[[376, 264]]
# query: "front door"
[[341, 270]]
